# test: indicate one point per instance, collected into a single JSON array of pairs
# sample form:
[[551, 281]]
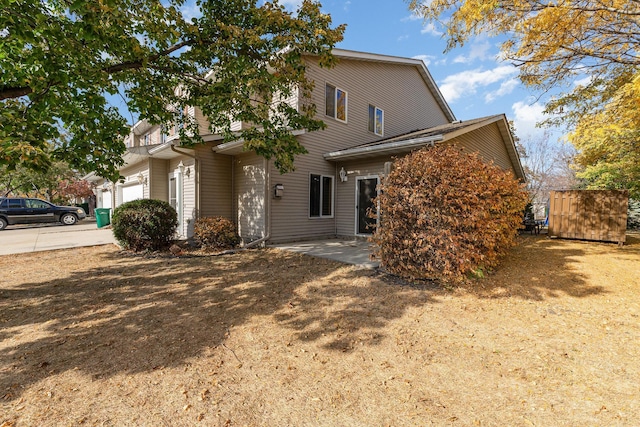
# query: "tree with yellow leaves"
[[553, 42]]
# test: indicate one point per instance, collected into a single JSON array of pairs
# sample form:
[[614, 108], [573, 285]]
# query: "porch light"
[[181, 167], [187, 173], [141, 178], [343, 175]]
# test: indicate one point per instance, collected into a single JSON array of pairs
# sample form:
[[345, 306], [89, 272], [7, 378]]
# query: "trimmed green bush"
[[144, 224], [446, 214], [215, 233]]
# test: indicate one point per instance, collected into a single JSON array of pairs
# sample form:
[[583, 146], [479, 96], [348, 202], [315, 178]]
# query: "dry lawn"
[[95, 336]]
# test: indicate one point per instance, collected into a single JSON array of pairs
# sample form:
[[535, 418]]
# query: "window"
[[336, 103], [320, 196], [146, 139], [37, 204], [376, 120]]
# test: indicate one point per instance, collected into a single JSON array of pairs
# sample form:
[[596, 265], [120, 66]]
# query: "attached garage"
[[106, 199], [132, 192]]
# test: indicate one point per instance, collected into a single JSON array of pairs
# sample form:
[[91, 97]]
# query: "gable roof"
[[410, 141], [418, 63]]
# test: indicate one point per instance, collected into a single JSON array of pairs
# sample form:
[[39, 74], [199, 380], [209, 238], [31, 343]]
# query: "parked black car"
[[22, 210]]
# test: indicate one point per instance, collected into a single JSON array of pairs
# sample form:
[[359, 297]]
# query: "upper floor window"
[[376, 120], [320, 196], [146, 139], [336, 102]]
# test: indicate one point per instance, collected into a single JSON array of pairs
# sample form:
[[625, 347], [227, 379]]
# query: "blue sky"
[[472, 80]]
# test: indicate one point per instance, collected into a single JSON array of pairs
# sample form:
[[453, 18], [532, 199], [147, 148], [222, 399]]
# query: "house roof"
[[418, 63], [402, 144]]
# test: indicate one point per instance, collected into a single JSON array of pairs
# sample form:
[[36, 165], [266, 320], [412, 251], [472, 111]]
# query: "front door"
[[366, 189]]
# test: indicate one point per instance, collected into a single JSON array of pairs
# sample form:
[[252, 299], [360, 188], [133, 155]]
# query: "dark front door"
[[366, 193]]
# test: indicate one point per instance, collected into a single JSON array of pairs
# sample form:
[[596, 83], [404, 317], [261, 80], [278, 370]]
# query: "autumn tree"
[[445, 214], [64, 61], [553, 43], [23, 181], [547, 165]]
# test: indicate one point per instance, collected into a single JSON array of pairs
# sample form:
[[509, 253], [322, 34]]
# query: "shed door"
[[366, 192]]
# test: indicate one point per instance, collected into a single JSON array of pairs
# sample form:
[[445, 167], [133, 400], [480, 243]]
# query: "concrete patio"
[[356, 252]]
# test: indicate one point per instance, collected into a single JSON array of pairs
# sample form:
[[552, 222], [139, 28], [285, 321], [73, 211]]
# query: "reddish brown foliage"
[[445, 214], [215, 233]]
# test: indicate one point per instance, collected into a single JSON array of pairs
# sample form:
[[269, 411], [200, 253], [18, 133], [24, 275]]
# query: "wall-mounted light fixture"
[[278, 190], [343, 175], [187, 172], [181, 167], [141, 178]]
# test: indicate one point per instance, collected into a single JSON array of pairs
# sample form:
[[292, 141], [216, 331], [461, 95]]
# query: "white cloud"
[[525, 117], [425, 58], [583, 82], [479, 51], [293, 4], [404, 37], [346, 6], [190, 10], [431, 29], [505, 88], [467, 83]]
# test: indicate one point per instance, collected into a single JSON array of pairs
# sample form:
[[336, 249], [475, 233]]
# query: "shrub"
[[144, 224], [215, 233], [446, 214]]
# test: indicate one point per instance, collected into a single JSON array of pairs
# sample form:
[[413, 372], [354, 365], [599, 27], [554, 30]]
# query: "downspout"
[[196, 166], [267, 210]]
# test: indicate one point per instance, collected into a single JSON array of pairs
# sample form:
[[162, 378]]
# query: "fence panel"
[[599, 215]]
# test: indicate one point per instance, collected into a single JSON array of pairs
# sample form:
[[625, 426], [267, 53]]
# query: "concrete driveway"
[[44, 237]]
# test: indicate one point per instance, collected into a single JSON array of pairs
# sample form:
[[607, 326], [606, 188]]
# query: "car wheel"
[[68, 219], [3, 223]]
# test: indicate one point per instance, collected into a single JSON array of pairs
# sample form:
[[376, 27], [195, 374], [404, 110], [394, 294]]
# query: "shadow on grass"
[[539, 268], [134, 314]]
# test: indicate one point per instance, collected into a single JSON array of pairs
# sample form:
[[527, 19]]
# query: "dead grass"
[[94, 336]]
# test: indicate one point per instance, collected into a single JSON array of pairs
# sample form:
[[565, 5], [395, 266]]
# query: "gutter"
[[383, 148]]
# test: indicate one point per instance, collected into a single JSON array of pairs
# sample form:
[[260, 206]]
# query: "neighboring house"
[[376, 108]]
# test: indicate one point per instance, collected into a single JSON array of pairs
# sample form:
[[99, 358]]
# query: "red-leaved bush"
[[445, 214], [215, 233]]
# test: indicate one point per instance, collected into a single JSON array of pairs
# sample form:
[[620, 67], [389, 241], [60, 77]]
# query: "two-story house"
[[376, 108]]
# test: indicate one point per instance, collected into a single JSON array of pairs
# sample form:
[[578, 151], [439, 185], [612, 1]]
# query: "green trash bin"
[[102, 216]]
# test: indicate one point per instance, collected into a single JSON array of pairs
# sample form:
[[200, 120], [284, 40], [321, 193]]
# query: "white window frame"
[[374, 128], [333, 196], [337, 89]]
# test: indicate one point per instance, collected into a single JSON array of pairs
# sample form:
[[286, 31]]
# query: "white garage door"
[[106, 199], [132, 192]]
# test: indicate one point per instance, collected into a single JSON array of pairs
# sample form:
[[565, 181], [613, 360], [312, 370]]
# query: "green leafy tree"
[[553, 43], [63, 60]]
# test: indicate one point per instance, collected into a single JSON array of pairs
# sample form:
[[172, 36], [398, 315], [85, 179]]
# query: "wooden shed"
[[599, 215]]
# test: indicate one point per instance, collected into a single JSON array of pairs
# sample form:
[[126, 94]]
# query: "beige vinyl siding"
[[159, 183], [397, 89], [408, 105], [203, 123], [216, 183], [188, 194], [249, 178], [488, 142]]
